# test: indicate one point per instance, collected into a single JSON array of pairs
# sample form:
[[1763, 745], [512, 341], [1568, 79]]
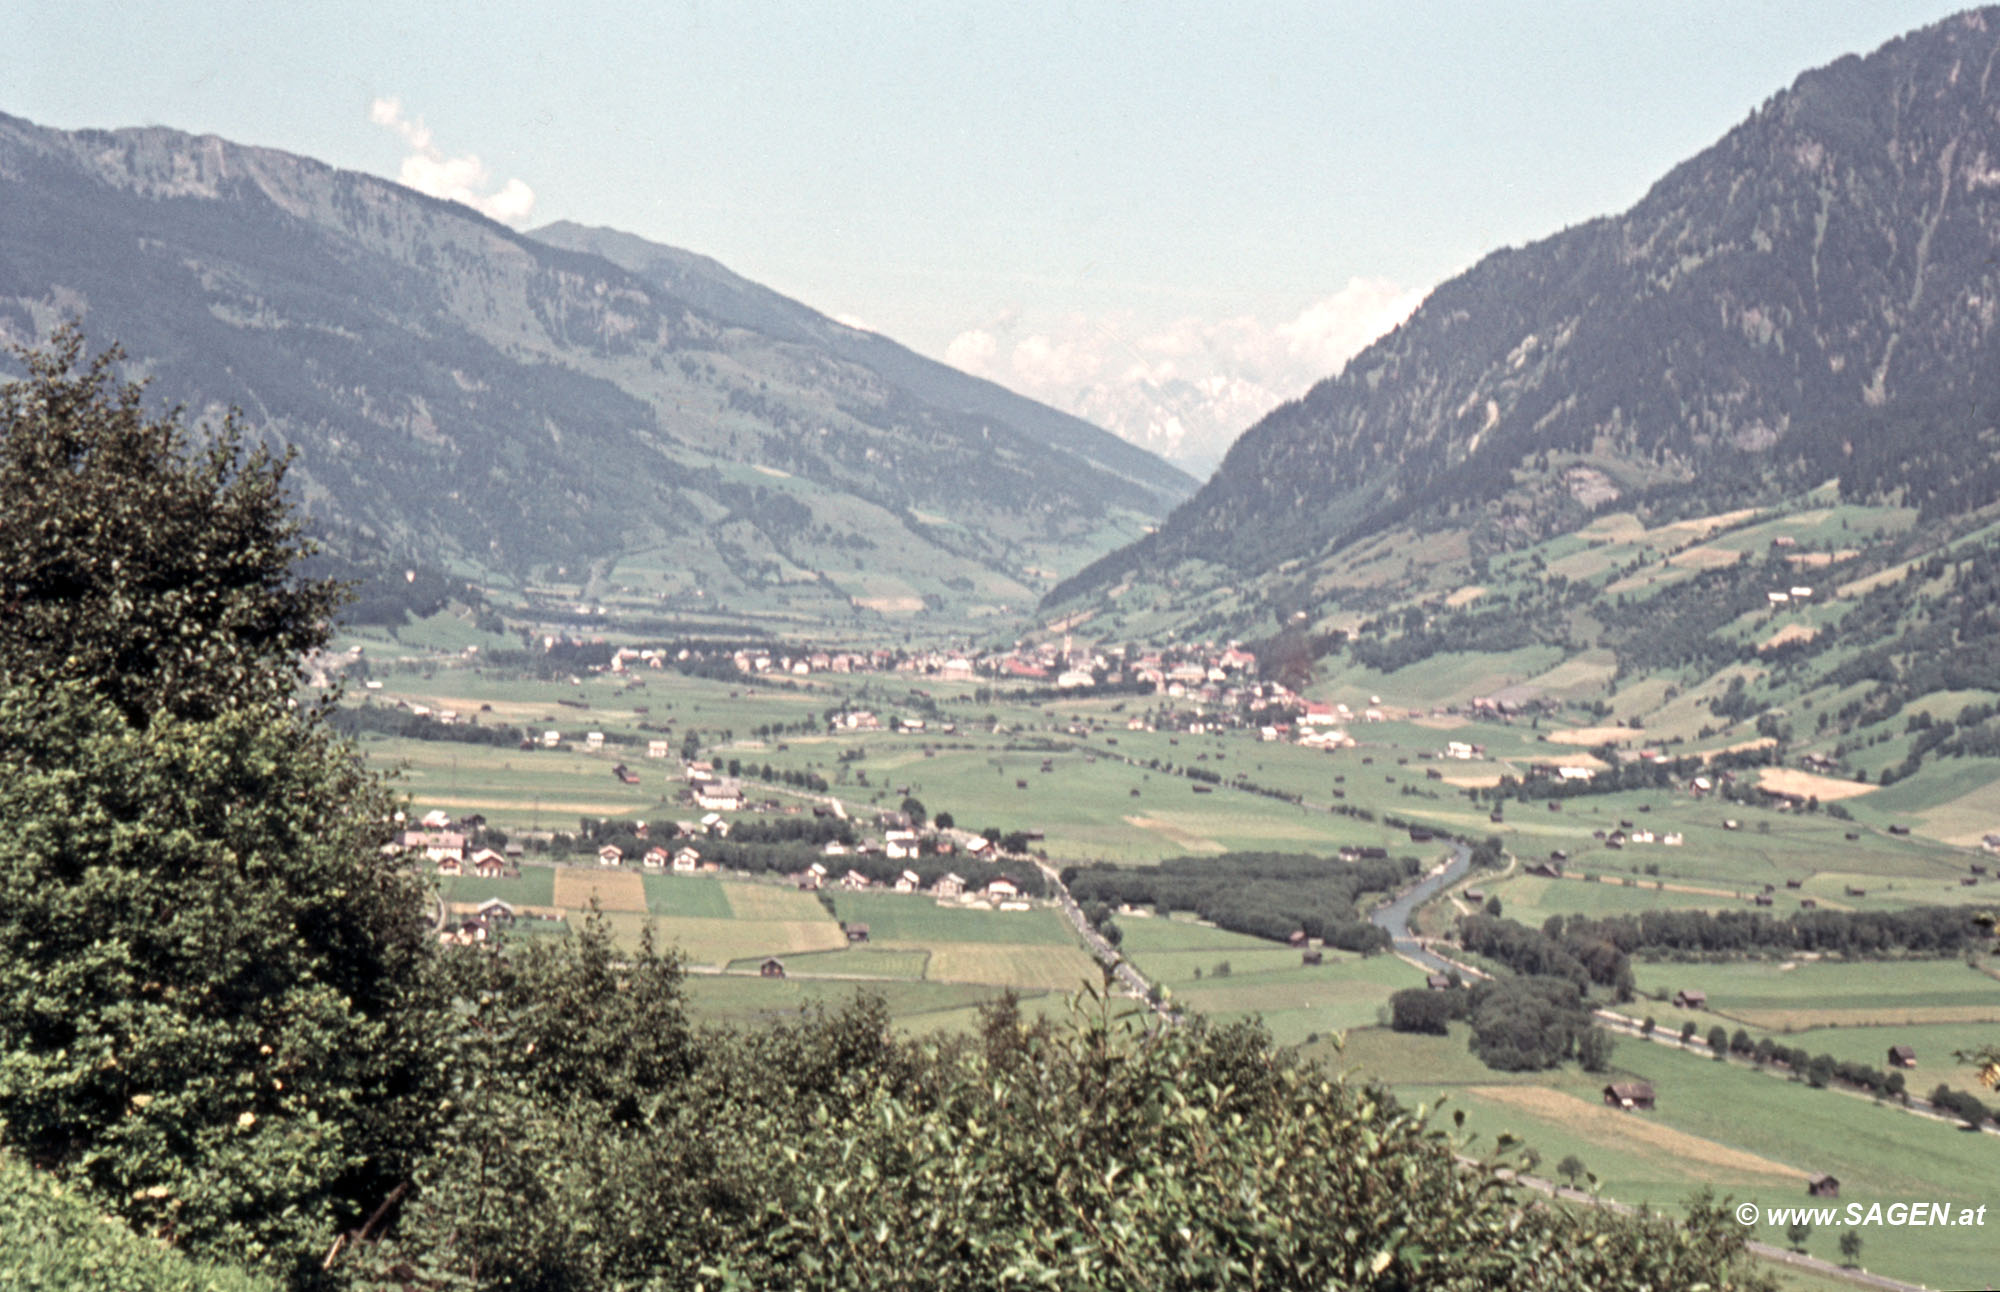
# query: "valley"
[[1683, 809]]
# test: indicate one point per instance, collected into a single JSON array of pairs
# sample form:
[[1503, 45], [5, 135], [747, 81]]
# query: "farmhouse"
[[1902, 1056], [719, 796], [437, 844], [950, 886], [488, 864], [656, 858], [1629, 1094], [1690, 998], [1822, 1186], [610, 855], [771, 968], [685, 861], [1003, 887], [909, 882]]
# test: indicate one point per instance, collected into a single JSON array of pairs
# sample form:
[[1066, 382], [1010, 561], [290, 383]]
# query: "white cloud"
[[1186, 388], [457, 179]]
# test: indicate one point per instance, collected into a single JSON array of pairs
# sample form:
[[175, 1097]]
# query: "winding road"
[[1394, 914]]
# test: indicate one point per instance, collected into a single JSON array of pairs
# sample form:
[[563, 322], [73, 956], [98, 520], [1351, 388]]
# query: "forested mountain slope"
[[1812, 298], [468, 396]]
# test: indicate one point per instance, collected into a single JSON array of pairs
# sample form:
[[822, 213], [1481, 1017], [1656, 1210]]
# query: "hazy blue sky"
[[1167, 216]]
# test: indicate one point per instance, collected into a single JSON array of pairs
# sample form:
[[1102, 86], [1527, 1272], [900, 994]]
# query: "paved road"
[[1121, 968], [1394, 914]]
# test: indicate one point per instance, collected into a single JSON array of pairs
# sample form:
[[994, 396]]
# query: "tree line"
[[1264, 894]]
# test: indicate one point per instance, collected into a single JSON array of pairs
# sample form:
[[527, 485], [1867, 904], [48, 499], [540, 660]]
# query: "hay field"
[[1787, 635], [614, 889], [1637, 1132], [1178, 837], [717, 942], [913, 919], [1591, 736], [761, 902], [1827, 789], [1704, 558], [1003, 964]]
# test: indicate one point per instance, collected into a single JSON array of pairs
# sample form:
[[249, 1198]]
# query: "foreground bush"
[[828, 1153], [52, 1238]]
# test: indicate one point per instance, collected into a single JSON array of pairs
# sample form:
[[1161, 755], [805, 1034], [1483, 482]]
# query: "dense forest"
[[1267, 895]]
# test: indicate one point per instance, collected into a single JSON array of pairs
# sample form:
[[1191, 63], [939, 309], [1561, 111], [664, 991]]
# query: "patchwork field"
[[612, 890], [1704, 1161], [1751, 1136], [1811, 994]]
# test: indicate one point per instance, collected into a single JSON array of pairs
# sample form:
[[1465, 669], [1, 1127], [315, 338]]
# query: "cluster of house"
[[1000, 893], [490, 918], [684, 860], [445, 842], [1626, 833], [1176, 672]]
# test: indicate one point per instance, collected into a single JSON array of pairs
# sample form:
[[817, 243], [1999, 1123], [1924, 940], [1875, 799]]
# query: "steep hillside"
[[1812, 298], [468, 397], [708, 286]]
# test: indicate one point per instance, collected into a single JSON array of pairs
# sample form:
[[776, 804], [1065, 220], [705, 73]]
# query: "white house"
[[610, 855]]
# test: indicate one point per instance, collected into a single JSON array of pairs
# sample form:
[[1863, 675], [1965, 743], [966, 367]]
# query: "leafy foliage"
[[52, 1238], [826, 1154], [157, 569]]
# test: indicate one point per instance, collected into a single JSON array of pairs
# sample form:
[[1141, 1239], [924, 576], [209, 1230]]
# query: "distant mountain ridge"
[[472, 396], [1814, 297], [712, 288]]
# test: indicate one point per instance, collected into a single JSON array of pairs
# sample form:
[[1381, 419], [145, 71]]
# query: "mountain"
[[1813, 298], [470, 398], [733, 299]]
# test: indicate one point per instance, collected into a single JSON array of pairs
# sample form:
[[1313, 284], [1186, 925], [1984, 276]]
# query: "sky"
[[1165, 217]]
